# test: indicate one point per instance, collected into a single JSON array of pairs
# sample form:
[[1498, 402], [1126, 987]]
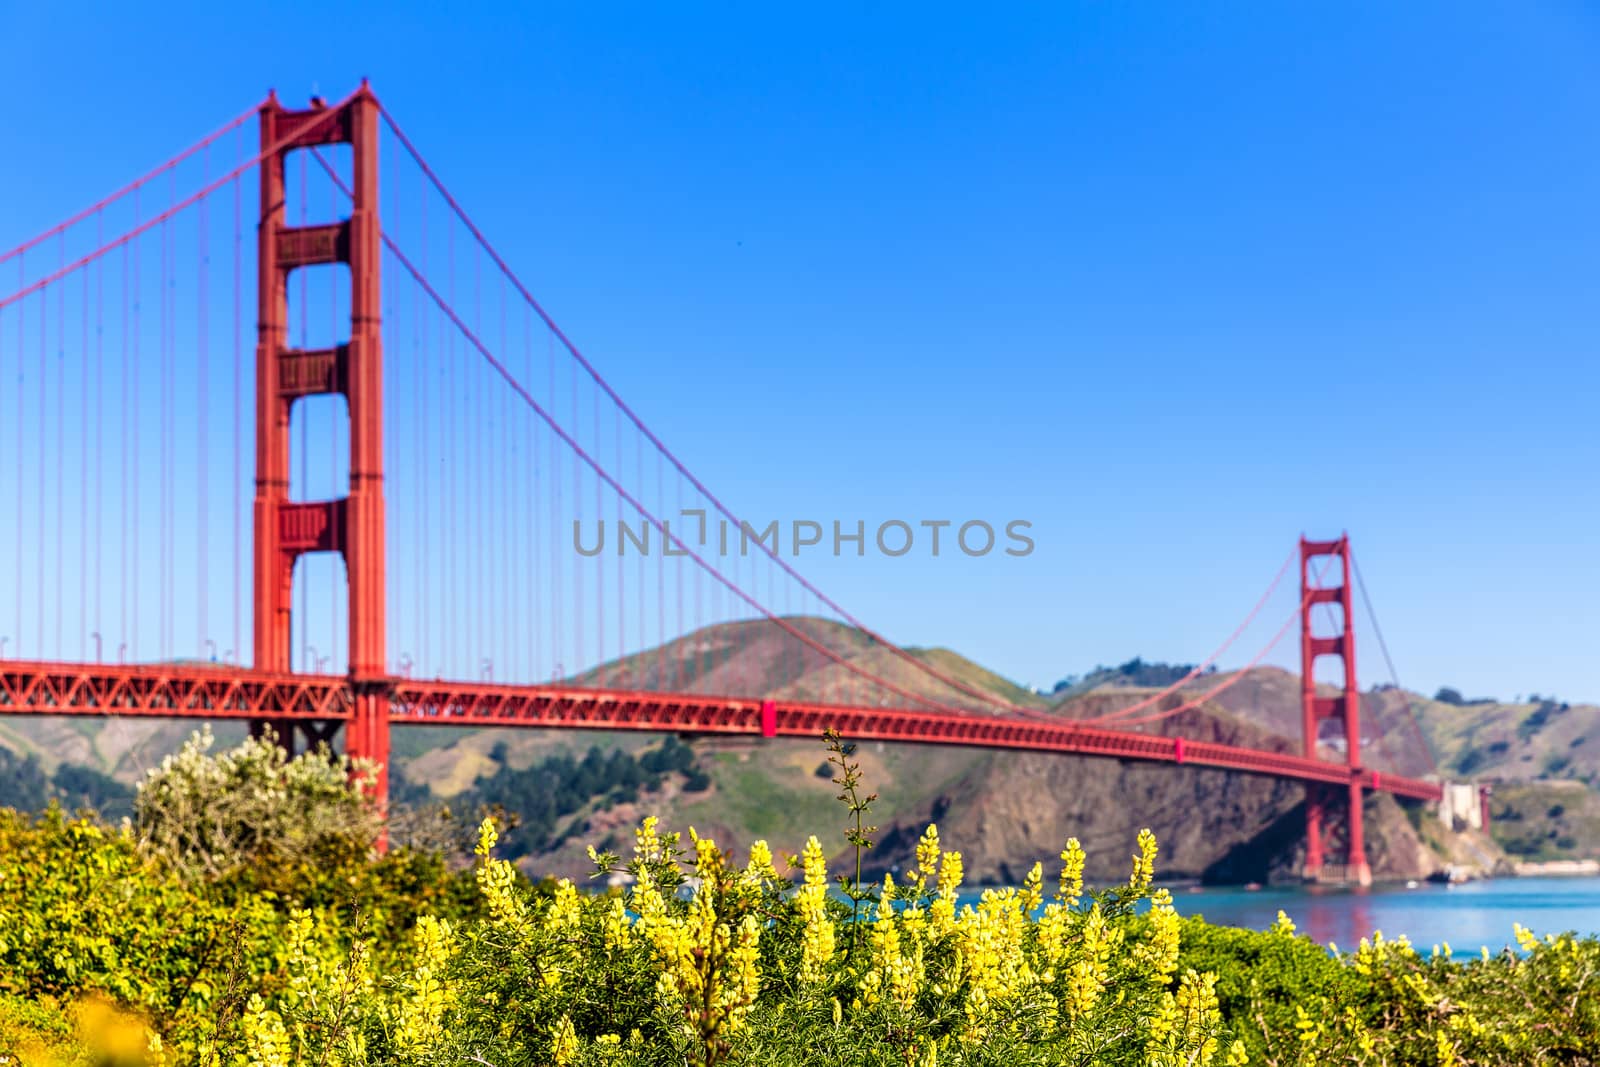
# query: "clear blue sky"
[[1174, 283]]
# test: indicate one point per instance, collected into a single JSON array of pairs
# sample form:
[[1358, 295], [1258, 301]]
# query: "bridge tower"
[[353, 525], [1321, 798]]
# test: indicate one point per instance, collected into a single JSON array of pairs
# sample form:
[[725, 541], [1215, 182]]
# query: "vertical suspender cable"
[[22, 343], [424, 387], [238, 413], [202, 419], [61, 454], [99, 423], [44, 546]]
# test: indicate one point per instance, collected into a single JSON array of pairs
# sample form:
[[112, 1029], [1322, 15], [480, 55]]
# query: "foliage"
[[254, 809], [1135, 672], [82, 910], [118, 951], [745, 967], [25, 787], [1291, 1001], [559, 786]]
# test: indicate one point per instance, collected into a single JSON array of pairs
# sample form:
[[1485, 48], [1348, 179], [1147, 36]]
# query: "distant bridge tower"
[[353, 525], [1321, 799]]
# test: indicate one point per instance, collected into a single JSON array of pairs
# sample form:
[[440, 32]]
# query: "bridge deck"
[[201, 691]]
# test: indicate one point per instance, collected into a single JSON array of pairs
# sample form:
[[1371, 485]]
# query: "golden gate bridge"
[[124, 342]]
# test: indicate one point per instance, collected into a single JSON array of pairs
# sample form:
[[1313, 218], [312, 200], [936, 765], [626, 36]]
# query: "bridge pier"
[[352, 526], [1345, 707]]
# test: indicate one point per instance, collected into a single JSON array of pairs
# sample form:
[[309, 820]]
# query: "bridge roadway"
[[202, 691]]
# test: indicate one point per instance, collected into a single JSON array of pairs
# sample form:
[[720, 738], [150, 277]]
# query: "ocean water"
[[1468, 917]]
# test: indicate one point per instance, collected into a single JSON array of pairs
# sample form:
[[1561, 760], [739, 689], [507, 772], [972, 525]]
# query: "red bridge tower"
[[352, 526], [1320, 798]]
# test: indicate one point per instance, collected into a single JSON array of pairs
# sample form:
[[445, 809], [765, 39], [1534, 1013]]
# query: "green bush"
[[115, 949]]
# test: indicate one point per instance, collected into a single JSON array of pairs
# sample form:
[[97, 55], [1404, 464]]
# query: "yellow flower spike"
[[1284, 926], [646, 844], [616, 931], [1159, 951], [927, 857], [1086, 978], [1032, 891], [816, 951], [266, 1039], [420, 1022], [563, 1042], [488, 837], [760, 869], [1144, 862], [1237, 1056], [950, 874], [1070, 887], [707, 858], [566, 911]]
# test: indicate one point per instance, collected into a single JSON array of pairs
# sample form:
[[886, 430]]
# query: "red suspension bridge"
[[123, 334]]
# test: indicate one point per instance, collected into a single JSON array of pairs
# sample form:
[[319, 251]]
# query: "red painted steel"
[[190, 691], [1345, 707], [354, 525], [201, 692]]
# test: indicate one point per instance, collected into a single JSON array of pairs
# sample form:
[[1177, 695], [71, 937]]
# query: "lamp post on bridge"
[[96, 636], [3, 641]]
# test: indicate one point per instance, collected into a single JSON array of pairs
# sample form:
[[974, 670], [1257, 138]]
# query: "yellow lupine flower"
[[1186, 1030], [1052, 934], [950, 874], [1032, 889], [1144, 861], [563, 1042], [707, 859], [566, 911], [265, 1037], [488, 837], [1310, 1029], [616, 931], [1087, 977], [421, 1016], [497, 880], [812, 900], [991, 945], [740, 993], [1159, 952], [646, 844], [1070, 887], [760, 869], [927, 858]]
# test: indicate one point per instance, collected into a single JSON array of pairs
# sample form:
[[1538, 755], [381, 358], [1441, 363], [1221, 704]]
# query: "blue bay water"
[[1468, 917]]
